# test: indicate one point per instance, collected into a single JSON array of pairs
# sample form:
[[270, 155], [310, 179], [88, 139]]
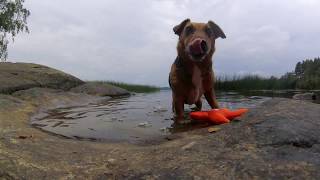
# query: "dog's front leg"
[[179, 109], [211, 98], [199, 105]]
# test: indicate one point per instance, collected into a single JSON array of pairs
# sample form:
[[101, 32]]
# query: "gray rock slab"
[[100, 89], [20, 76]]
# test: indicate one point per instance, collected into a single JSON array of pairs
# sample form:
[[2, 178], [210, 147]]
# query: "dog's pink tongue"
[[195, 47]]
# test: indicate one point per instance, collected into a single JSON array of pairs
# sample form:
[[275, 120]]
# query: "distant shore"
[[137, 88]]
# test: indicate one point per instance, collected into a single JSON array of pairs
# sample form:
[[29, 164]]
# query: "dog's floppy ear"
[[217, 31], [179, 28]]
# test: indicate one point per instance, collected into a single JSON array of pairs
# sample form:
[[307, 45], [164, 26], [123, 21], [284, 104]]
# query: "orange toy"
[[217, 116]]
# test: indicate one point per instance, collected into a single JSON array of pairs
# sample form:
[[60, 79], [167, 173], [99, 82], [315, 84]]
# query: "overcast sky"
[[132, 40]]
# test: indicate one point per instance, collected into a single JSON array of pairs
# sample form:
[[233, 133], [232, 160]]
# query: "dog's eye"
[[189, 30], [209, 31]]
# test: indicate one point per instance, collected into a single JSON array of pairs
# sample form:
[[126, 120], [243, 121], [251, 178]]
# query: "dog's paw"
[[183, 121]]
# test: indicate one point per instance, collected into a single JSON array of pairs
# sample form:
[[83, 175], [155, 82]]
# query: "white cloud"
[[132, 41]]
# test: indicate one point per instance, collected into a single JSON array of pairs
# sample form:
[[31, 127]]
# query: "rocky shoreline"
[[278, 140]]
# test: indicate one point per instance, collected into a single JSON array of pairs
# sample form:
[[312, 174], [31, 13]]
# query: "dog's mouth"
[[198, 49]]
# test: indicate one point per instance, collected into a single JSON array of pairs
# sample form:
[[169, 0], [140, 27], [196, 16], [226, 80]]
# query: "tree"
[[13, 20], [310, 78], [298, 69]]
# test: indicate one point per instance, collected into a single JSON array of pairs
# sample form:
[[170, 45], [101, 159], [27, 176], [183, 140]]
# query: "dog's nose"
[[198, 47], [204, 46]]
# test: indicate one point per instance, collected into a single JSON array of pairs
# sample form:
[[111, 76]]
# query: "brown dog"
[[191, 74]]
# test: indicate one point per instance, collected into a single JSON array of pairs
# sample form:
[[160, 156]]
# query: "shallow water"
[[136, 118]]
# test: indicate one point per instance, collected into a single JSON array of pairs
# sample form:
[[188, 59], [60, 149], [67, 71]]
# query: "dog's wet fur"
[[191, 74]]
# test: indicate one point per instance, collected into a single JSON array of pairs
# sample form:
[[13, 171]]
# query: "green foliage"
[[308, 74], [13, 20], [305, 76], [248, 82], [133, 87]]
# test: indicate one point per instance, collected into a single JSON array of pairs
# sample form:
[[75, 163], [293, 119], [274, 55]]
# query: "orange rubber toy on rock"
[[217, 116]]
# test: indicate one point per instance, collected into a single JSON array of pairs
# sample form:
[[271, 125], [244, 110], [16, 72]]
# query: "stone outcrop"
[[20, 76], [100, 89], [305, 96]]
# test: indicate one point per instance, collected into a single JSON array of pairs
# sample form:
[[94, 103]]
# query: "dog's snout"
[[204, 46], [198, 47]]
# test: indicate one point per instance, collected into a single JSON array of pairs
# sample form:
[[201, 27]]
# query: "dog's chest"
[[194, 96], [196, 91]]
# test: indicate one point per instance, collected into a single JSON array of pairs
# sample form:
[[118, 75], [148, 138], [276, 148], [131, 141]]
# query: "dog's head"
[[197, 40]]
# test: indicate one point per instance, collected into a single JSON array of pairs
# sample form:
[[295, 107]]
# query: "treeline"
[[305, 76]]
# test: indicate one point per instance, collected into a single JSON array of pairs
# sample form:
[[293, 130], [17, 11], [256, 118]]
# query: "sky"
[[132, 40]]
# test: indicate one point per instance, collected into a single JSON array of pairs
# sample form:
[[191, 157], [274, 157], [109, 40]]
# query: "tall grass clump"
[[305, 76]]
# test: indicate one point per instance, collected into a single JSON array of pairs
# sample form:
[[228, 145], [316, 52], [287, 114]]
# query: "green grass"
[[137, 88]]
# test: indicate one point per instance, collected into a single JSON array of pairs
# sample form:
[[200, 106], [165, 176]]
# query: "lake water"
[[139, 117]]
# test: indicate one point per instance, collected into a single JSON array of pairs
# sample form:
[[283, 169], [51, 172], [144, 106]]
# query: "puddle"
[[140, 117]]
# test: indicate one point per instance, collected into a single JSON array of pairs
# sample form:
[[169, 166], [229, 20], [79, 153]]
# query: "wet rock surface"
[[20, 76], [305, 96], [279, 139], [46, 98], [135, 119]]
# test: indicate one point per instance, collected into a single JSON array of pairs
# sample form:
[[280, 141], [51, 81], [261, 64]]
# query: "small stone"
[[24, 136], [144, 124], [160, 109], [111, 161], [13, 141], [213, 129], [188, 146], [164, 129]]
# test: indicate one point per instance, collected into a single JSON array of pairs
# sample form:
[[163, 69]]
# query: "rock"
[[254, 97], [165, 129], [213, 129], [305, 96], [144, 124], [55, 98], [278, 140], [24, 136], [20, 76], [111, 161], [100, 89], [289, 125], [160, 109], [9, 102], [188, 146]]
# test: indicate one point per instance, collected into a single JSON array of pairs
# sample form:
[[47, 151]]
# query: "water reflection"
[[134, 118]]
